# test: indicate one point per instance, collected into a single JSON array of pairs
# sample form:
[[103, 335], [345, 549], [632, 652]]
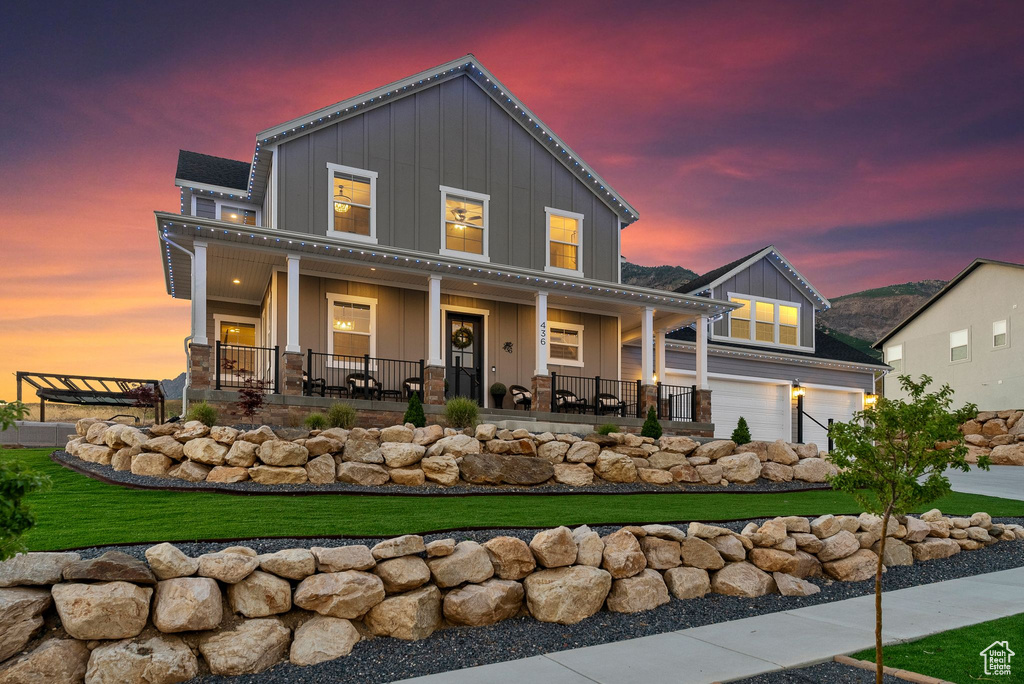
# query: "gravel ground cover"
[[385, 659], [125, 477], [825, 673]]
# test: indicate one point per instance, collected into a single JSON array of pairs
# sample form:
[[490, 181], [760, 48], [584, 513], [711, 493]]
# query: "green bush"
[[315, 421], [607, 429], [651, 428], [16, 482], [741, 435], [341, 416], [203, 412], [414, 412], [499, 389], [461, 412], [10, 412]]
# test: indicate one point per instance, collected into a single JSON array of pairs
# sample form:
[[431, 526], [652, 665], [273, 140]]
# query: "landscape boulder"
[[483, 604], [187, 604], [349, 594], [410, 616], [622, 555], [248, 648], [157, 660], [566, 595], [322, 638], [742, 579], [110, 610], [261, 594], [644, 591], [554, 548], [469, 562]]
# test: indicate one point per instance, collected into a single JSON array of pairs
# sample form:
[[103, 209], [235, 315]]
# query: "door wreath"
[[462, 338]]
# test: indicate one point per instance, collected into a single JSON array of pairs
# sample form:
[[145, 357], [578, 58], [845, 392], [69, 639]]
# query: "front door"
[[464, 367]]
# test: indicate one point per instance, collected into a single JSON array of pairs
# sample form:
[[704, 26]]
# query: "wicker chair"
[[362, 386], [411, 386], [566, 401], [521, 397]]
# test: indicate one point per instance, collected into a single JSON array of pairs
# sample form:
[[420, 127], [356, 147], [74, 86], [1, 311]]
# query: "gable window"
[[959, 348], [894, 357], [464, 224], [740, 319], [352, 206], [565, 242], [765, 330], [765, 320], [246, 217], [352, 327], [789, 325], [1000, 337], [566, 343]]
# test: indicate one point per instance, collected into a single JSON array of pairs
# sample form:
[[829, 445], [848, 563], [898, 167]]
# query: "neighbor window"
[[958, 345], [233, 332], [565, 230], [246, 217], [351, 210], [740, 319], [352, 326], [894, 357], [999, 338], [773, 322], [464, 223], [566, 344]]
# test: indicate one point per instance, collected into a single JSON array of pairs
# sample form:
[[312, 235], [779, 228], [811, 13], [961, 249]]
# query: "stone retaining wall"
[[118, 619], [403, 455], [997, 434]]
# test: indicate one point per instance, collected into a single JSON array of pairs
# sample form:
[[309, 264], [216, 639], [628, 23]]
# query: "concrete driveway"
[[1006, 482]]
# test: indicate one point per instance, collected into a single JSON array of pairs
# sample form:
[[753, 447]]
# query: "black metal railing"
[[237, 363], [677, 402], [362, 377], [465, 382], [597, 395]]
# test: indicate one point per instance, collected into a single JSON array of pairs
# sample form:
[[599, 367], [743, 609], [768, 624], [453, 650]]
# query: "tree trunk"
[[878, 597]]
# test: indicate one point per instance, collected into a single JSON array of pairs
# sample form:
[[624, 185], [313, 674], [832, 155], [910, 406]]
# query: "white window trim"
[[753, 299], [888, 357], [480, 197], [334, 298], [548, 213], [228, 318], [1006, 332], [370, 239], [950, 357], [218, 203], [578, 327]]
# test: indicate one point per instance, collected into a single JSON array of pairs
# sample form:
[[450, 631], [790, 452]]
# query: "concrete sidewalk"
[[743, 648], [1006, 482]]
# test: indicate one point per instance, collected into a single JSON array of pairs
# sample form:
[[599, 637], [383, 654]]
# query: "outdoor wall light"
[[236, 281], [870, 400], [798, 391]]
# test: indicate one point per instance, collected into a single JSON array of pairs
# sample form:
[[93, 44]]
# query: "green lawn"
[[955, 655], [79, 511]]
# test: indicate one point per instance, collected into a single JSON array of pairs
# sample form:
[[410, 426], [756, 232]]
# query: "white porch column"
[[647, 345], [659, 355], [541, 304], [434, 322], [199, 295], [292, 335], [702, 353]]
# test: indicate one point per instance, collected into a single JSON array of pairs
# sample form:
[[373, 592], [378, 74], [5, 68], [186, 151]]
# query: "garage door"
[[765, 406], [839, 405]]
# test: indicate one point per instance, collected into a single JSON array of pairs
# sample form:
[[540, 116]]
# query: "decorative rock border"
[[122, 619], [996, 434], [408, 456]]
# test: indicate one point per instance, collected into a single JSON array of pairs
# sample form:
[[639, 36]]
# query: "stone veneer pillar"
[[541, 387], [648, 398], [703, 406], [201, 366], [433, 385], [291, 374]]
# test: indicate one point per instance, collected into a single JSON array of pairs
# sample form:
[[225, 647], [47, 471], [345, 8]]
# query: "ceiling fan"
[[460, 214]]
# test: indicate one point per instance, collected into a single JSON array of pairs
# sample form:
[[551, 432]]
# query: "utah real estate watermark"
[[997, 658]]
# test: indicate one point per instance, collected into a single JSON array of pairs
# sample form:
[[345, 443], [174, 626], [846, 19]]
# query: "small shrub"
[[414, 413], [16, 482], [607, 429], [203, 412], [461, 412], [315, 421], [10, 412], [741, 435], [341, 416], [651, 428], [499, 389], [251, 397]]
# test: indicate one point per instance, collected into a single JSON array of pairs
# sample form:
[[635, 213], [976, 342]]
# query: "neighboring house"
[[432, 235], [963, 336], [762, 351]]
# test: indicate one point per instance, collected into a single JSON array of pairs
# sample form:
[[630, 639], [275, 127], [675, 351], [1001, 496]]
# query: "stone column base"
[[648, 398], [291, 374], [201, 366], [541, 387], [703, 406], [433, 385]]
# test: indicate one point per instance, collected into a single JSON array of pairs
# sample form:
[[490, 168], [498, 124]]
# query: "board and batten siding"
[[451, 134], [764, 279]]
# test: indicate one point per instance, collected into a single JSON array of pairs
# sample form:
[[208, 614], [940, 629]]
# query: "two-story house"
[[963, 337], [431, 236]]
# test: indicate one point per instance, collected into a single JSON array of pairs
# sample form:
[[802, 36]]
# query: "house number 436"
[[543, 333]]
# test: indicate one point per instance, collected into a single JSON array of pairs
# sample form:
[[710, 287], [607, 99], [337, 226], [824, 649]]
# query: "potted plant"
[[498, 392]]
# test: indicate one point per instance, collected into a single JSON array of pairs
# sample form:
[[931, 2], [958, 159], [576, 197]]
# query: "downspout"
[[192, 327]]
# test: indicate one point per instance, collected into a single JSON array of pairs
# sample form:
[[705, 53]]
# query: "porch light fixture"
[[870, 400], [236, 281], [798, 391]]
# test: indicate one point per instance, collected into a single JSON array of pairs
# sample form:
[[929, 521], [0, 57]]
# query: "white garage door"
[[764, 405], [839, 405]]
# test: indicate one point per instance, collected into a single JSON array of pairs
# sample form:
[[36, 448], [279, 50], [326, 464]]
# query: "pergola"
[[87, 390]]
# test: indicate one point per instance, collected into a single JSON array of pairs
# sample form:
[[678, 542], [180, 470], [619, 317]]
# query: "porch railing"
[[597, 395], [237, 363], [677, 402], [362, 377]]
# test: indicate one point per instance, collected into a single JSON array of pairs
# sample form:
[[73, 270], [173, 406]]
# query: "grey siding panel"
[[452, 133], [205, 208]]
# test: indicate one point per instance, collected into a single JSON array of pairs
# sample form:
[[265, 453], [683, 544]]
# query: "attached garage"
[[764, 403], [824, 403]]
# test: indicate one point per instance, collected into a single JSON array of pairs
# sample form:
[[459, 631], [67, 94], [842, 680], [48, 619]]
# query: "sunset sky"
[[873, 143]]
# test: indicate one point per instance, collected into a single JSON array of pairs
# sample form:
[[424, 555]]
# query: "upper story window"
[[246, 217], [959, 345], [894, 357], [565, 242], [776, 323], [566, 343], [464, 223], [1000, 336], [352, 209], [352, 323]]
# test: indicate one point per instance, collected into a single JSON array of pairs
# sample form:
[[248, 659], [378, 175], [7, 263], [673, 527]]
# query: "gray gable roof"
[[700, 282], [210, 170]]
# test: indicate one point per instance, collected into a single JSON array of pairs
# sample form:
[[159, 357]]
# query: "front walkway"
[[1006, 482], [743, 648]]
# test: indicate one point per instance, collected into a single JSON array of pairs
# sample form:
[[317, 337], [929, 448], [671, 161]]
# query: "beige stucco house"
[[964, 336]]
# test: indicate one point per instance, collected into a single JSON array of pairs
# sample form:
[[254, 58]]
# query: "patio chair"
[[363, 386], [412, 386], [313, 386], [609, 403], [521, 397], [566, 401]]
